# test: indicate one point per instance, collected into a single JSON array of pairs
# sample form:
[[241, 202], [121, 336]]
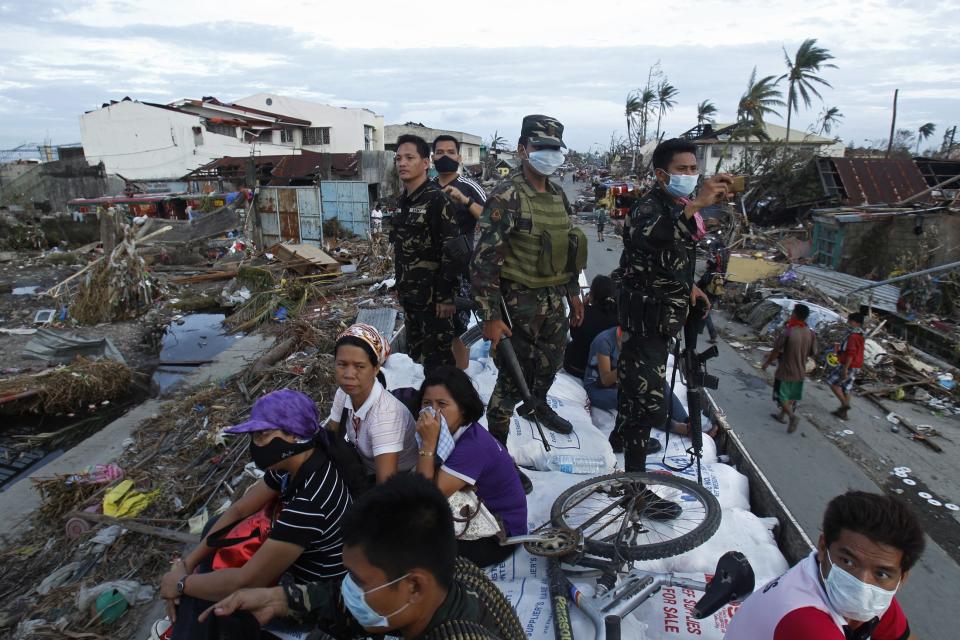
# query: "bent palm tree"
[[666, 93], [802, 74], [648, 98], [756, 103], [828, 119], [924, 132], [760, 98], [706, 112]]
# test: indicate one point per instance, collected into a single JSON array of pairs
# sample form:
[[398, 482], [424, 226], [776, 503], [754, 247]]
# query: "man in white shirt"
[[845, 589]]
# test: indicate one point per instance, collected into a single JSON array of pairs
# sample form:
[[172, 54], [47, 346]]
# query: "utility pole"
[[893, 124]]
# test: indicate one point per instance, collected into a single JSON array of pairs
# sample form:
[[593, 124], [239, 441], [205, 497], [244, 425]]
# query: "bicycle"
[[605, 523]]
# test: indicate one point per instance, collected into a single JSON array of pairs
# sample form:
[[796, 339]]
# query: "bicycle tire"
[[697, 535]]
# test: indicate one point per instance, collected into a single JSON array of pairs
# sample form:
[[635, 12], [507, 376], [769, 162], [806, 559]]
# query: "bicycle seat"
[[732, 580]]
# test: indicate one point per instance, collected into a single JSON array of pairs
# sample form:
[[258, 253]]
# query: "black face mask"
[[445, 164], [277, 450]]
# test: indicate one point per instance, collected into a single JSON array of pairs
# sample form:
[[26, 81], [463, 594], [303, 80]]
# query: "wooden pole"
[[893, 124]]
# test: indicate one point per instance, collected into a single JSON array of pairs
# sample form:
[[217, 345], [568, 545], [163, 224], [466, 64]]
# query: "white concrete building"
[[714, 142], [142, 141], [331, 129], [469, 143]]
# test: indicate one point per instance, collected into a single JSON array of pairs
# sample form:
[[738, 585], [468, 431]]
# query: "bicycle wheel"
[[615, 515]]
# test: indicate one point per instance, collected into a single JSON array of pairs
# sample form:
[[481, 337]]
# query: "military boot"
[[652, 506], [547, 417]]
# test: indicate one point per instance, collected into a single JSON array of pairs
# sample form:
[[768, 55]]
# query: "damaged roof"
[[869, 181], [839, 285], [281, 170]]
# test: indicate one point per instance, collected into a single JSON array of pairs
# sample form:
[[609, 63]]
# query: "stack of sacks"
[[523, 578]]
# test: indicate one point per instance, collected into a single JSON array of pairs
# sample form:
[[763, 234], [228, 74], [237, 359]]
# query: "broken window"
[[197, 136], [367, 137], [316, 135], [223, 129]]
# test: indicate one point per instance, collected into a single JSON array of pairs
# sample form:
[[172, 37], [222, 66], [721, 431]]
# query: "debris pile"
[[178, 468]]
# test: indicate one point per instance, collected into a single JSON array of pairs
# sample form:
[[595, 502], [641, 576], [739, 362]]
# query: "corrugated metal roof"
[[876, 181], [839, 285]]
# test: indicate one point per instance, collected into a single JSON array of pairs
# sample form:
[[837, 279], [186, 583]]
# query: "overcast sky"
[[473, 66]]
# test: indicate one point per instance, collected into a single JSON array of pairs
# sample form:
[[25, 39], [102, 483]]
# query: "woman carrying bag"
[[286, 523], [471, 458]]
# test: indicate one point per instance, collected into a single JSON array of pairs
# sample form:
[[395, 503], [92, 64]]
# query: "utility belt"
[[646, 313]]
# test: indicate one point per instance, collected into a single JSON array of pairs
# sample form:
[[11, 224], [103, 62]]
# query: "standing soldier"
[[528, 259], [656, 268], [426, 281]]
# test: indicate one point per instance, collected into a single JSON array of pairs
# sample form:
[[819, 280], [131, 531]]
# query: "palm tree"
[[496, 140], [756, 103], [648, 98], [828, 119], [924, 132], [631, 109], [706, 111], [801, 74], [665, 94], [759, 100]]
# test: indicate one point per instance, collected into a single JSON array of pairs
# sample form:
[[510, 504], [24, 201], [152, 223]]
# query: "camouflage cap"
[[543, 131]]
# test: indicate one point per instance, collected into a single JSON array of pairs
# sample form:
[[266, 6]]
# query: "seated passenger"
[[600, 383], [846, 588], [305, 541], [477, 461], [599, 313], [600, 378], [404, 579], [376, 423]]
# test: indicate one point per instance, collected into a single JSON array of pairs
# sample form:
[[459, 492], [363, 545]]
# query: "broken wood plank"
[[889, 388], [138, 527]]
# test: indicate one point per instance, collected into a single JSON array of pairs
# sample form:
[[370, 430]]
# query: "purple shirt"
[[481, 461]]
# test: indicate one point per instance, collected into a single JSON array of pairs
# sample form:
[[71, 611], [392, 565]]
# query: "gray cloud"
[[51, 71]]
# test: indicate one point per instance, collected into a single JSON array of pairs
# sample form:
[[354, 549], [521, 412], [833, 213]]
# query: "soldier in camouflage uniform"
[[426, 279], [528, 257], [656, 289]]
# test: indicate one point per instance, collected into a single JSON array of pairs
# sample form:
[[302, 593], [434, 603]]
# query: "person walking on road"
[[527, 262], [842, 376], [601, 223], [792, 347], [426, 278]]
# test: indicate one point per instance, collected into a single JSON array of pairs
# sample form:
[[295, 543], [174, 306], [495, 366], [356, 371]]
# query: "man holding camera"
[[656, 289]]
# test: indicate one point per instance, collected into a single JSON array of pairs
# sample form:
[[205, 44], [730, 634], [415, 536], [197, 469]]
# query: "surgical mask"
[[854, 599], [275, 451], [545, 161], [355, 599], [681, 185], [445, 164]]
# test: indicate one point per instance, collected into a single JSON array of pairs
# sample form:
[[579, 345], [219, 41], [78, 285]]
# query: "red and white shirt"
[[795, 607]]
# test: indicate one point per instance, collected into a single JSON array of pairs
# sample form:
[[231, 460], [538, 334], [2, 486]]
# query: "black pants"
[[641, 372], [485, 551]]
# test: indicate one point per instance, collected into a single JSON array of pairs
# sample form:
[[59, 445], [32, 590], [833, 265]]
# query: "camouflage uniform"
[[537, 313], [420, 231], [656, 278]]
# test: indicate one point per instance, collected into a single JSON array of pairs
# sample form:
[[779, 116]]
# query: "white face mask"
[[545, 161], [854, 599]]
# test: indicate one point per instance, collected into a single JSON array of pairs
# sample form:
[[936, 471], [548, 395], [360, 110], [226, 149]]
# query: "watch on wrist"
[[181, 584], [294, 597]]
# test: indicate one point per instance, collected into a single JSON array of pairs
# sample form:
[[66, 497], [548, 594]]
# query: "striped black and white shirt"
[[472, 189], [312, 505]]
